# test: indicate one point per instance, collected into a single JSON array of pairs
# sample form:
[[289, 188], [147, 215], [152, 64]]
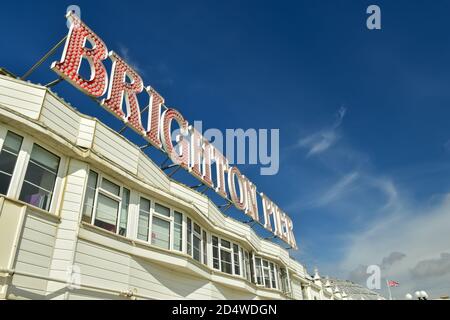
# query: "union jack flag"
[[392, 283]]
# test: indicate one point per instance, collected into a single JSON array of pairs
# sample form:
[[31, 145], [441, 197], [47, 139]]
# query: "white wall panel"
[[21, 96]]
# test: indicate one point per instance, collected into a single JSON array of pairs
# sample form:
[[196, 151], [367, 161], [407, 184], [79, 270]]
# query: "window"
[[224, 256], [124, 212], [236, 260], [247, 270], [106, 204], [259, 277], [40, 178], [205, 248], [272, 275], [8, 159], [283, 280], [178, 231], [189, 236], [89, 198], [266, 273], [196, 241], [216, 259], [144, 219], [161, 227]]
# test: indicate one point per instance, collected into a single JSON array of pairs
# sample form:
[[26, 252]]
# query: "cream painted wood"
[[21, 97], [59, 118], [11, 220], [33, 255], [86, 133], [116, 148], [67, 233]]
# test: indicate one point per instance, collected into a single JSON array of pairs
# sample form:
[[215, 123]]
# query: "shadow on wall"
[[185, 285]]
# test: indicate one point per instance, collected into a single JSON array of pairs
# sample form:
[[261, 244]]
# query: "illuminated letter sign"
[[75, 51], [192, 151]]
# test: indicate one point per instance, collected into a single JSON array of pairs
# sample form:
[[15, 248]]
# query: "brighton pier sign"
[[192, 151]]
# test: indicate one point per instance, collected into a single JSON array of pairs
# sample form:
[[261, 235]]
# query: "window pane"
[[197, 228], [252, 268], [178, 231], [40, 178], [272, 276], [5, 180], [89, 197], [215, 244], [266, 277], [178, 217], [144, 219], [107, 212], [161, 233], [162, 210], [259, 279], [225, 259], [225, 243], [35, 196], [45, 158], [189, 236], [124, 212], [248, 272], [237, 268], [196, 245], [205, 248], [7, 162], [110, 187], [8, 159], [12, 143]]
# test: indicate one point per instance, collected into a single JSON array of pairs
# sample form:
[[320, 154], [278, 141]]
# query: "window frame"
[[13, 180], [228, 250], [170, 219], [110, 195], [272, 278], [160, 216], [22, 164], [190, 234]]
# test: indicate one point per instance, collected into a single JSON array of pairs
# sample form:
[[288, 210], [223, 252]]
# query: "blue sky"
[[365, 144]]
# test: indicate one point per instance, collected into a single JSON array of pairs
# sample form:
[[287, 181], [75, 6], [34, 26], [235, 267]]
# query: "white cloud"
[[389, 224], [421, 233], [322, 140], [124, 53], [338, 189]]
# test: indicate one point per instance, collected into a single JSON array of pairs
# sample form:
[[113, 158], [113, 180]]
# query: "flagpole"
[[389, 289]]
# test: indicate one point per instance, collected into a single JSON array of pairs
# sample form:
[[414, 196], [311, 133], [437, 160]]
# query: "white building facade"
[[85, 214]]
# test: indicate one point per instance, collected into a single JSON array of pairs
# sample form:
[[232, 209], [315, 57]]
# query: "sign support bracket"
[[45, 57]]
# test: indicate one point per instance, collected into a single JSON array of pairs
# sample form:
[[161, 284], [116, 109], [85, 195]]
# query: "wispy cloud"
[[322, 140], [337, 189], [384, 223], [124, 52], [160, 73]]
